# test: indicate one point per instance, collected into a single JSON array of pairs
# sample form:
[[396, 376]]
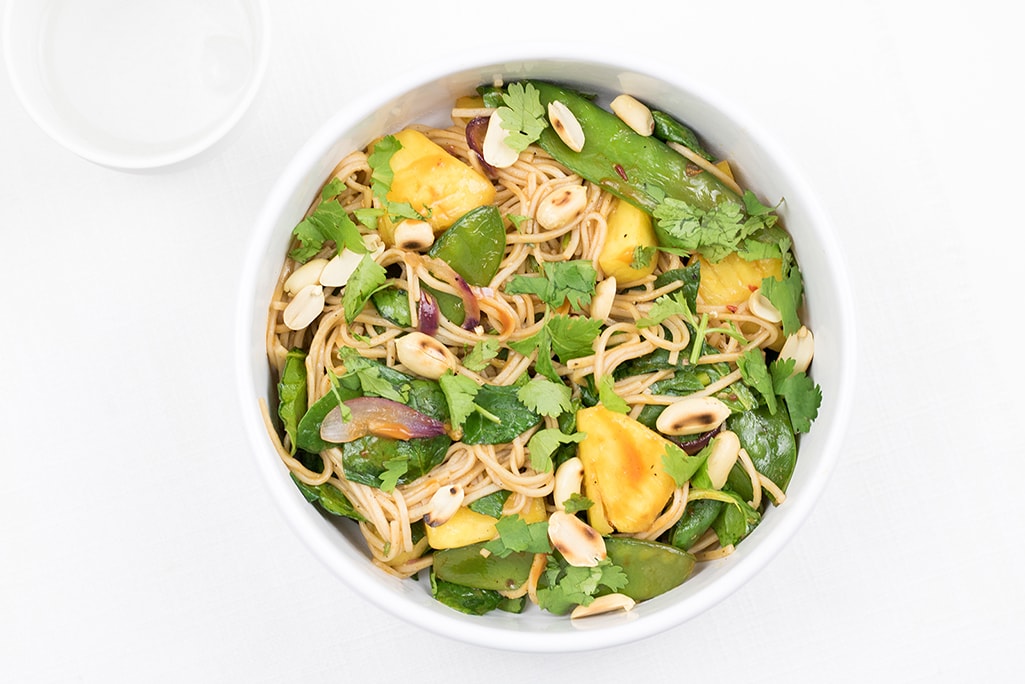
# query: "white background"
[[137, 542]]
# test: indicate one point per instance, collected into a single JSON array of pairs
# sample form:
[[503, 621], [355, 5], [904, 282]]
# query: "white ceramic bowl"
[[137, 85], [426, 96]]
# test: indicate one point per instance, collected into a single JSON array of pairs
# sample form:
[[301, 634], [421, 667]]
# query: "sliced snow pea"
[[669, 129], [651, 568], [628, 165], [474, 245], [393, 304], [467, 567]]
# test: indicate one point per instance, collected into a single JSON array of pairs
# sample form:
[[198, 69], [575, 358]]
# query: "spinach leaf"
[[769, 440], [465, 599], [492, 504], [736, 520], [368, 458], [292, 394], [308, 435], [499, 400], [691, 277], [330, 499]]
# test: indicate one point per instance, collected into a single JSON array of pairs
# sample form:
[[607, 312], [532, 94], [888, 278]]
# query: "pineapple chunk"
[[623, 472], [434, 182], [629, 228], [536, 512], [462, 529], [731, 281]]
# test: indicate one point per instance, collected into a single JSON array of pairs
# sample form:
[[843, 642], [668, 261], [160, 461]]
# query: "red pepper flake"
[[753, 287], [731, 308], [621, 171]]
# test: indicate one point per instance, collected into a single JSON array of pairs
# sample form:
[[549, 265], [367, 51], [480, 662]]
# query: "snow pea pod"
[[625, 163], [474, 245], [697, 517], [466, 566], [651, 568]]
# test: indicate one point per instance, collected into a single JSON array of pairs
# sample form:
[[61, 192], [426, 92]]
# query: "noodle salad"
[[551, 354]]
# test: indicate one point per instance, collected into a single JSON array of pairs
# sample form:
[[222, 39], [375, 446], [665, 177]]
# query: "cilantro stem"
[[699, 339]]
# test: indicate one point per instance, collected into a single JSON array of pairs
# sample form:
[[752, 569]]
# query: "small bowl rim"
[[754, 558], [98, 154]]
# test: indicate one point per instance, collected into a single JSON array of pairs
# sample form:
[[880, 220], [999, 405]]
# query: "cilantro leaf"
[[715, 232], [755, 373], [367, 279], [802, 396], [568, 586], [332, 189], [523, 115], [459, 392], [786, 295], [517, 221], [561, 281], [576, 503], [674, 304], [573, 336], [642, 256], [608, 397], [543, 444], [545, 397], [681, 467], [482, 352], [381, 178], [516, 535], [329, 221], [395, 468]]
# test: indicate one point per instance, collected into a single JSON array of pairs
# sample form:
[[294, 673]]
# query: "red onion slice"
[[379, 417], [471, 307], [427, 312], [475, 131], [693, 446]]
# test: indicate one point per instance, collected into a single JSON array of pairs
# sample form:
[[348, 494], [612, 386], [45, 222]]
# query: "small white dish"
[[136, 84]]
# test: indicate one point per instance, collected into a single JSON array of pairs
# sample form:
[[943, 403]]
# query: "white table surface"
[[137, 543]]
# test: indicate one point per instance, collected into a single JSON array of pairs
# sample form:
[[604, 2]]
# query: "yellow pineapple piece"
[[434, 182], [623, 472], [731, 281], [465, 527], [628, 229]]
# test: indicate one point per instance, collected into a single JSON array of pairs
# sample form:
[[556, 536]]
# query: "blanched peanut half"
[[604, 296], [604, 604], [725, 451], [566, 125], [759, 305], [569, 478], [337, 271], [634, 114], [307, 274], [424, 355], [800, 347], [579, 543], [692, 416], [306, 305], [443, 505], [561, 207], [413, 235], [496, 151]]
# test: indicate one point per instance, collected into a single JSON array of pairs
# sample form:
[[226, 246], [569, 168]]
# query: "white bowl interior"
[[141, 84], [425, 97]]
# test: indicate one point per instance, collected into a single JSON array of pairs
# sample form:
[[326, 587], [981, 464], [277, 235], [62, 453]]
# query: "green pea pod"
[[467, 567], [669, 129], [651, 568], [292, 394], [474, 245], [627, 164], [697, 518], [769, 441]]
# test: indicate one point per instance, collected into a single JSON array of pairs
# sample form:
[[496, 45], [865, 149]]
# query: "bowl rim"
[[142, 162], [455, 626]]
